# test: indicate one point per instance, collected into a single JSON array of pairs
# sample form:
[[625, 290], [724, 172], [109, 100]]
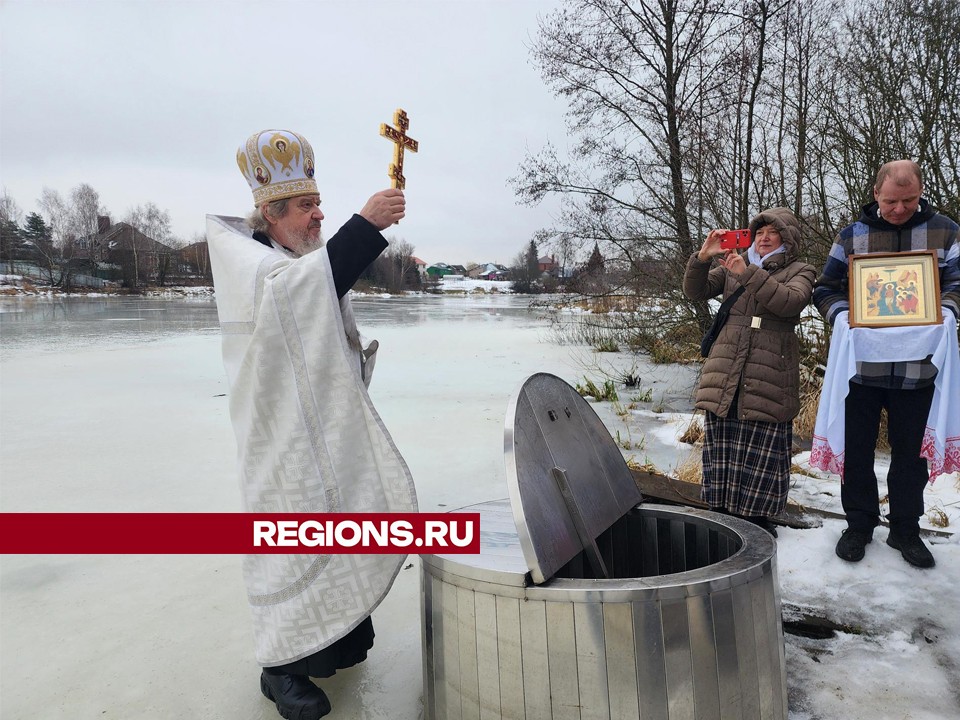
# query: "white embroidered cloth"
[[941, 439], [308, 438]]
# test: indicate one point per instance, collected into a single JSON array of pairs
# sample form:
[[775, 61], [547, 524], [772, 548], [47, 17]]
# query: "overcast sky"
[[148, 100]]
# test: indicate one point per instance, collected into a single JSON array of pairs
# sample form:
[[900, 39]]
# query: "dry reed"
[[804, 422], [690, 469], [693, 435], [938, 518]]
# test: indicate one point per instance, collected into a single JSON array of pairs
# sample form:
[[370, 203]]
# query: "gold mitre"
[[277, 164]]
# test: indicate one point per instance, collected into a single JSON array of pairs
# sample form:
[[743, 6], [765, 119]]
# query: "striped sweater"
[[926, 230]]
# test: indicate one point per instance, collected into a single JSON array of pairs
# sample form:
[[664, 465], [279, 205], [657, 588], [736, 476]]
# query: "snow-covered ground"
[[466, 284], [13, 285], [97, 421]]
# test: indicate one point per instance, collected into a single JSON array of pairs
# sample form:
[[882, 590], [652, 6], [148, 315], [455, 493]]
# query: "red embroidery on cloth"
[[823, 458], [939, 464]]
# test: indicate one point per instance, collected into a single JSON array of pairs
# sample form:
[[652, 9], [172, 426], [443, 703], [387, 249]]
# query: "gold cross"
[[399, 137]]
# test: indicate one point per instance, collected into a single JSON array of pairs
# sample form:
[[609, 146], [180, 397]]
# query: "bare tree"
[[567, 250], [168, 264], [197, 254], [687, 115], [400, 253], [152, 222], [793, 103], [10, 209], [84, 213], [11, 216], [897, 98], [73, 228], [58, 262], [638, 77], [395, 269]]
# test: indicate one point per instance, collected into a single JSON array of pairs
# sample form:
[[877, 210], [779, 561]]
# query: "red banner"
[[228, 533]]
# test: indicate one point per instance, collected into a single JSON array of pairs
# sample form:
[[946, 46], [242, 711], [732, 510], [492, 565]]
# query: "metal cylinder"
[[686, 627]]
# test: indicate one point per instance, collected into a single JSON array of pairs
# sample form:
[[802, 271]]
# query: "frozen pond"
[[119, 405], [51, 324], [55, 324], [446, 362]]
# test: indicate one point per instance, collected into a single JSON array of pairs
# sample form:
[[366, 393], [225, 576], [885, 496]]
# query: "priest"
[[309, 439]]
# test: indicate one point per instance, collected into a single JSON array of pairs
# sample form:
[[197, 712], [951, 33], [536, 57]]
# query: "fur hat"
[[277, 164]]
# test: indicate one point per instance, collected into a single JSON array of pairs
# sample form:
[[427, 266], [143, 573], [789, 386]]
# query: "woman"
[[750, 384]]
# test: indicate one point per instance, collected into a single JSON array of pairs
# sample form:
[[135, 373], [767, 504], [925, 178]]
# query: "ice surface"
[[119, 405]]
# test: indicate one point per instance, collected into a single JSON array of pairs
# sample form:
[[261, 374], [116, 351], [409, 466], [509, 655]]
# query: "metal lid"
[[568, 481]]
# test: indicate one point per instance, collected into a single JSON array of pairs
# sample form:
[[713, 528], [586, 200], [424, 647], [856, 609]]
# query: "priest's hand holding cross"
[[384, 209]]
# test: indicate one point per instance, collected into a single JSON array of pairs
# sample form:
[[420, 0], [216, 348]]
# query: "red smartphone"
[[735, 239]]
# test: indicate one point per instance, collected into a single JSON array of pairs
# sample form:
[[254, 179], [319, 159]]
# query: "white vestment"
[[308, 437]]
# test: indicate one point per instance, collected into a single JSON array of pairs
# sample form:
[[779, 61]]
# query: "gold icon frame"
[[895, 289]]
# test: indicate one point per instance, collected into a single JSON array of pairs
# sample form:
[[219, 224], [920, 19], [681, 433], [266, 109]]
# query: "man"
[[308, 436], [899, 220]]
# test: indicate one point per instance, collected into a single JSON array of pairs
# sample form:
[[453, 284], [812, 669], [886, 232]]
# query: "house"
[[194, 261], [548, 265], [136, 257], [491, 271], [420, 265], [438, 270]]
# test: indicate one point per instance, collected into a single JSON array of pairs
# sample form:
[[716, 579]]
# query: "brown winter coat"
[[764, 362]]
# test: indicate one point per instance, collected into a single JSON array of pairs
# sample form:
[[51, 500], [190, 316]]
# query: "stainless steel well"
[[585, 604]]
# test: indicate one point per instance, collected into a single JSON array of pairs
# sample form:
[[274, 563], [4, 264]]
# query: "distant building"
[[137, 257], [490, 271], [438, 270], [194, 261], [420, 265], [441, 269], [548, 265]]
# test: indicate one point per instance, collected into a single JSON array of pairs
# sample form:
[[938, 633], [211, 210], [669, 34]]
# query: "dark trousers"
[[907, 412]]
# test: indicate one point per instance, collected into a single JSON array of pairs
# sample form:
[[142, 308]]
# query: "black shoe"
[[852, 545], [912, 549], [296, 697]]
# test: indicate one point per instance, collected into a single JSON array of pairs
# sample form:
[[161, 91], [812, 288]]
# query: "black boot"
[[853, 543], [763, 522], [912, 548], [296, 697]]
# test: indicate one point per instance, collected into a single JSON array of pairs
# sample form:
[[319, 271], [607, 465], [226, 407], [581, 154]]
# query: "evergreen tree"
[[35, 230], [10, 238], [526, 271], [533, 264], [595, 265]]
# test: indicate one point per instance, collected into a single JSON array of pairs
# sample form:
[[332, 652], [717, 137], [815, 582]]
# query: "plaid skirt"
[[746, 465]]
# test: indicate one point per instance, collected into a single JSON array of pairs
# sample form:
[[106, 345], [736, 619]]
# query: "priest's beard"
[[303, 243]]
